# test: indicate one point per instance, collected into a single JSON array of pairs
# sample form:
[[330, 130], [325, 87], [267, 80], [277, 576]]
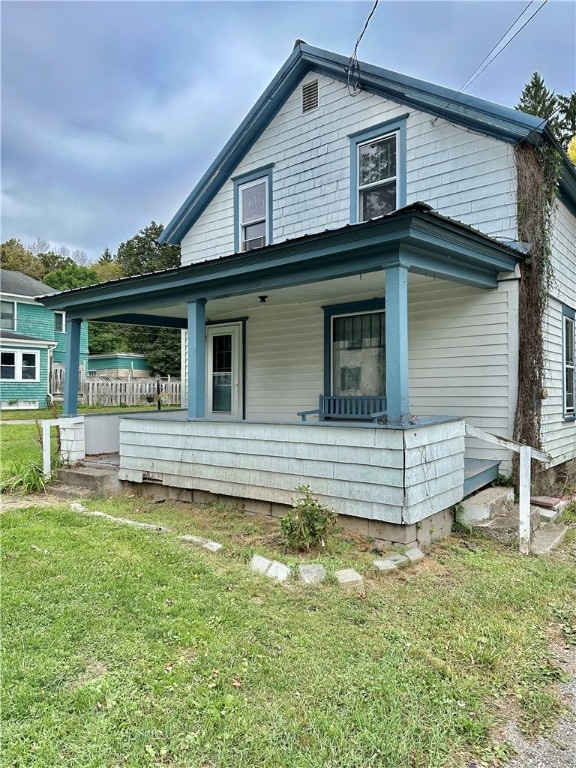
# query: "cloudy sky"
[[111, 111]]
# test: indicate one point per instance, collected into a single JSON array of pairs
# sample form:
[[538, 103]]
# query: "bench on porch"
[[349, 407]]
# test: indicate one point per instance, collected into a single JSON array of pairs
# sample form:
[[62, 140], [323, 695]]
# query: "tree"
[[559, 110], [107, 267], [14, 256], [71, 276], [142, 253]]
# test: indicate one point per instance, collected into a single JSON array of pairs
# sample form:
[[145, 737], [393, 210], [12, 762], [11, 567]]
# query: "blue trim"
[[265, 172], [396, 126], [71, 377], [150, 320], [333, 310], [196, 358], [397, 389], [571, 314], [482, 116]]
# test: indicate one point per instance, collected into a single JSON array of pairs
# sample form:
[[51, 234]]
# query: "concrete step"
[[547, 537], [503, 527], [64, 491], [102, 482], [487, 504]]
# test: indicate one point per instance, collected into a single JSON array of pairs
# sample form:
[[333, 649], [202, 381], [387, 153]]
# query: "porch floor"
[[478, 473]]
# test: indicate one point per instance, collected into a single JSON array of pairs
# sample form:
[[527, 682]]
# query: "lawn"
[[49, 413], [127, 648]]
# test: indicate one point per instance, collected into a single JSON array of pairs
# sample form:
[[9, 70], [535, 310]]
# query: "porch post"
[[196, 358], [72, 360], [397, 397]]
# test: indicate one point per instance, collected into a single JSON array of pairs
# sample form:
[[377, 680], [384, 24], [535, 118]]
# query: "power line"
[[353, 66]]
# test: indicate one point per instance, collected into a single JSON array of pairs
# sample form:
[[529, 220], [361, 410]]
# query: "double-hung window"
[[253, 210], [569, 362], [8, 315], [59, 322], [377, 184], [18, 365]]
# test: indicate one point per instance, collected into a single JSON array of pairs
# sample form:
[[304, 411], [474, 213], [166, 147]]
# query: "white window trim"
[[18, 353], [248, 222], [63, 315], [10, 301], [567, 319]]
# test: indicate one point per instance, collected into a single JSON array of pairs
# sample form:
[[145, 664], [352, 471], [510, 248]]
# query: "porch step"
[[487, 504], [478, 473], [64, 491], [503, 527], [100, 482], [547, 537]]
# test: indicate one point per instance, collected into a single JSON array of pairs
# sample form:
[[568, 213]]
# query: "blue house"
[[351, 291], [32, 340]]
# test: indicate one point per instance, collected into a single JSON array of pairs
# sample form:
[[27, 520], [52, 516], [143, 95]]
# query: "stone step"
[[547, 537], [503, 527], [486, 504], [64, 491], [99, 481]]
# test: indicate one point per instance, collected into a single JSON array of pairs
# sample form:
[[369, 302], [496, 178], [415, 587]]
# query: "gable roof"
[[504, 123], [19, 284]]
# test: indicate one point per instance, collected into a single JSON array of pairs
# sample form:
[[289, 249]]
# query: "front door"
[[224, 371]]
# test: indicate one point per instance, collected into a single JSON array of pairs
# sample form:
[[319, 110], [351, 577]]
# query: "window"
[[8, 315], [59, 322], [377, 184], [355, 354], [18, 365], [569, 347], [253, 210]]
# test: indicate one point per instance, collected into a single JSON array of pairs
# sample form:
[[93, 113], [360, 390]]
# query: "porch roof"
[[415, 237]]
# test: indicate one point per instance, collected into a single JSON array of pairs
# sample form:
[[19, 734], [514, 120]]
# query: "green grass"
[[21, 457], [48, 413], [126, 648]]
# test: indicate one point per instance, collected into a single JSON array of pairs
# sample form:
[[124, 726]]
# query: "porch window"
[[17, 365], [253, 210], [378, 170], [355, 349], [8, 315], [569, 346]]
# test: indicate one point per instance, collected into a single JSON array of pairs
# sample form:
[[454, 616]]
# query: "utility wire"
[[353, 66]]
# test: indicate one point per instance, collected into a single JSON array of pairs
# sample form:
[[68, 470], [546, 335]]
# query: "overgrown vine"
[[538, 170]]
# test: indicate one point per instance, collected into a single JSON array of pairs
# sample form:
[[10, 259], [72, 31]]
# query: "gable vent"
[[310, 96]]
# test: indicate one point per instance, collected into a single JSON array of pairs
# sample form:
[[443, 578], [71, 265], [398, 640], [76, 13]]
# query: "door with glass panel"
[[224, 371], [358, 354]]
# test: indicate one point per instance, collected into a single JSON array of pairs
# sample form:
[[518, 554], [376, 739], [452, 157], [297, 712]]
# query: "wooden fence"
[[108, 391]]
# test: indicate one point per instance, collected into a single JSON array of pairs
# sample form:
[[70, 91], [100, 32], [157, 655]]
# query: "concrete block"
[[357, 525], [260, 564], [204, 497], [414, 554], [399, 534], [257, 507], [548, 515], [547, 537], [312, 573], [279, 510], [385, 565], [435, 527], [213, 546], [190, 539], [279, 571], [486, 504], [350, 579], [383, 545], [231, 501], [180, 494], [399, 559]]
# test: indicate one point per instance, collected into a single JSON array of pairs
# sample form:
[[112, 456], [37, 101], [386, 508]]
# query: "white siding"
[[368, 471], [559, 436], [462, 174]]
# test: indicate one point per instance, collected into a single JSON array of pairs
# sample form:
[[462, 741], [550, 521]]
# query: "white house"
[[360, 242]]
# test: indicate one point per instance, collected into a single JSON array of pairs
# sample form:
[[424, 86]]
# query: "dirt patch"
[[12, 501], [94, 671]]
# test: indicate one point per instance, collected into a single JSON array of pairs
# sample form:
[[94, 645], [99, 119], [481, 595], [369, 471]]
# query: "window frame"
[[332, 311], [568, 318], [14, 314], [57, 313], [246, 180], [18, 364], [395, 127]]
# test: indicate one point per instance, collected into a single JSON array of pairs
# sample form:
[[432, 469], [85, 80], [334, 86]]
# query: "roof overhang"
[[415, 237]]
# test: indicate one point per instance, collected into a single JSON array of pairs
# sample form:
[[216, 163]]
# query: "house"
[[32, 340], [119, 364], [358, 238]]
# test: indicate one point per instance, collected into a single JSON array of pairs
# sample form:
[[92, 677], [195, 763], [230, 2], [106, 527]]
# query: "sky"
[[112, 111]]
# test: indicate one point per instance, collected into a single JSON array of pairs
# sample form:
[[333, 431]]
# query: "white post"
[[524, 528], [46, 462]]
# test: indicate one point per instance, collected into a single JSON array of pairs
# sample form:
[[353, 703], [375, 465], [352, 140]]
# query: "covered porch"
[[334, 314]]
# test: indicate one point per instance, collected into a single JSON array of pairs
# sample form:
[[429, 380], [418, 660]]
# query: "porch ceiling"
[[415, 237]]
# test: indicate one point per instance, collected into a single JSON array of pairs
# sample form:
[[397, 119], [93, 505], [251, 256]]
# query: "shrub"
[[307, 525]]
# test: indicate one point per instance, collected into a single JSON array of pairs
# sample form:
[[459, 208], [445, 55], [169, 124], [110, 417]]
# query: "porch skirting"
[[379, 473]]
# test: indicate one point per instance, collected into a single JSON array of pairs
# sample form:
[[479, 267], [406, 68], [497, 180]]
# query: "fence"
[[108, 391]]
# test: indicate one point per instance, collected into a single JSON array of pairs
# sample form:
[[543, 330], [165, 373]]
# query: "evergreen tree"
[[567, 118], [536, 98]]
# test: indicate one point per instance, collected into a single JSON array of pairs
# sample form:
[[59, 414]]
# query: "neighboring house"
[[357, 240], [32, 339], [119, 364]]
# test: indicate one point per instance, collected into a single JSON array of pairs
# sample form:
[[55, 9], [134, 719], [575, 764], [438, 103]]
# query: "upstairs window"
[[8, 315], [378, 170], [569, 345], [253, 210], [59, 322]]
